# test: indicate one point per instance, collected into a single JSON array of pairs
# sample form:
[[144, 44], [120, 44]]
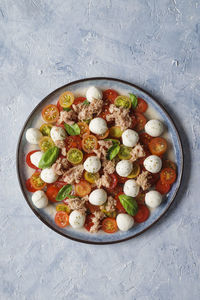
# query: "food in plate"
[[99, 161]]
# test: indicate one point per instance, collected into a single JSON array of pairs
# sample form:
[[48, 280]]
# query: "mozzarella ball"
[[153, 164], [124, 222], [98, 197], [35, 158], [153, 199], [98, 126], [130, 138], [92, 164], [33, 136], [39, 199], [154, 128], [124, 168], [93, 93], [58, 133], [48, 175], [131, 188], [76, 219]]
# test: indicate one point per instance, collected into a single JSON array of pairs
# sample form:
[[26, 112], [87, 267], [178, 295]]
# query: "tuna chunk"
[[67, 117], [61, 166], [143, 180], [73, 175], [137, 152], [98, 216], [120, 115]]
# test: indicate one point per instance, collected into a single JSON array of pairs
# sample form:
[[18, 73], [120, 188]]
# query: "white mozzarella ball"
[[40, 199], [130, 138], [48, 175], [153, 164], [153, 199], [131, 188], [98, 126], [124, 222], [154, 128], [93, 93], [35, 158], [124, 168], [98, 197], [76, 219], [33, 136], [58, 133], [92, 164]]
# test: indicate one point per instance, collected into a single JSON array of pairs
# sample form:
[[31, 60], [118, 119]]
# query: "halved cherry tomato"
[[82, 188], [141, 121], [62, 219], [50, 113], [36, 182], [105, 112], [140, 198], [46, 143], [73, 142], [89, 143], [163, 188], [63, 207], [124, 152], [88, 222], [103, 136], [84, 128], [169, 164], [158, 146], [91, 177], [135, 172], [141, 106], [59, 106], [110, 95], [74, 156], [45, 129], [123, 101], [145, 138], [109, 225], [66, 99], [114, 181], [79, 100], [92, 208], [119, 206], [28, 160], [51, 192], [115, 131], [134, 120], [142, 214], [29, 186], [168, 175]]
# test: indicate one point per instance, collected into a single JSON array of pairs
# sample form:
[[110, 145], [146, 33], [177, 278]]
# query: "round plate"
[[79, 87]]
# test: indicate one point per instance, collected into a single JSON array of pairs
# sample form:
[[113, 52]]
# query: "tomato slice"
[[123, 101], [66, 99], [119, 206], [134, 120], [110, 95], [36, 182], [75, 156], [135, 172], [141, 106], [115, 131], [84, 128], [103, 136], [51, 192], [158, 146], [124, 152], [46, 143], [62, 219], [88, 222], [89, 143], [59, 106], [63, 207], [169, 164], [73, 142], [142, 214], [162, 188], [29, 186], [109, 225], [45, 129], [92, 208], [28, 160], [79, 100], [168, 176], [114, 181], [141, 121], [83, 188], [91, 177], [50, 113], [145, 138]]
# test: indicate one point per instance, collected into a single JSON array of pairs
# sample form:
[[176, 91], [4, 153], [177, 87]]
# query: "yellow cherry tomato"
[[66, 99], [45, 129], [63, 207], [115, 131], [46, 143], [124, 152], [91, 177], [75, 156], [135, 172], [123, 101]]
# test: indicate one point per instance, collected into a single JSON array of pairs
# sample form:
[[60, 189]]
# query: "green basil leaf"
[[66, 108], [86, 102], [134, 100], [129, 204], [64, 192], [114, 141], [72, 129], [49, 157], [113, 151]]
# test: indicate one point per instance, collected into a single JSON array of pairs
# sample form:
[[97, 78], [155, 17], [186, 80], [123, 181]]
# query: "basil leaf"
[[86, 102], [49, 157], [114, 141], [72, 129], [113, 151], [129, 204], [64, 192], [66, 108], [134, 100]]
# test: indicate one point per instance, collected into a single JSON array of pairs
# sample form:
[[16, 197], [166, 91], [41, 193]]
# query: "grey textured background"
[[45, 44]]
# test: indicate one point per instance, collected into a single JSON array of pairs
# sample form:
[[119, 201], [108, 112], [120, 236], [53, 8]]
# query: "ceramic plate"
[[155, 110]]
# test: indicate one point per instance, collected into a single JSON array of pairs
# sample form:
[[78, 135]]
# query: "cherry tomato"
[[142, 214], [59, 106], [109, 225], [50, 113], [134, 121], [51, 192], [46, 143], [73, 142], [119, 206], [28, 160], [89, 143], [145, 138], [36, 182], [62, 219], [29, 186], [141, 121], [84, 128], [115, 131], [103, 136], [169, 164], [110, 95], [105, 112], [141, 106], [91, 177], [162, 188], [135, 172], [83, 188], [158, 146], [124, 152], [74, 156], [79, 100], [45, 129], [92, 208], [63, 207], [168, 175], [88, 222], [114, 181], [66, 99], [123, 101]]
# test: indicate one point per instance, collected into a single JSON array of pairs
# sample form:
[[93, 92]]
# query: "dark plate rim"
[[18, 165]]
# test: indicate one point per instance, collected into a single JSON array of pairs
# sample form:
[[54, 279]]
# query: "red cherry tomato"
[[29, 186], [28, 159], [142, 214], [109, 225], [168, 175], [119, 206], [162, 188], [79, 100], [141, 121], [158, 146], [141, 106], [110, 95], [114, 181], [145, 138], [62, 219], [53, 189], [73, 142], [92, 208]]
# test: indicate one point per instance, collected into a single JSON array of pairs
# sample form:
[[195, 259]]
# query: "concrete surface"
[[43, 45]]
